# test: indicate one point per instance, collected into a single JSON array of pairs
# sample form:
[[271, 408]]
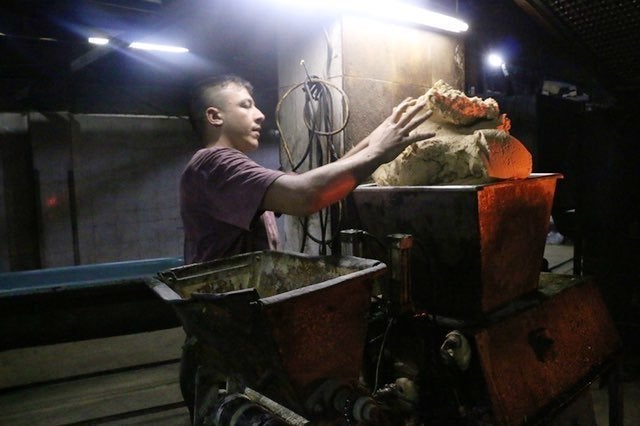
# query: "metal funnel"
[[476, 246]]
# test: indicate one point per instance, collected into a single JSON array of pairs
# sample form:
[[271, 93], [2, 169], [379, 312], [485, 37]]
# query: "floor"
[[122, 380], [133, 380]]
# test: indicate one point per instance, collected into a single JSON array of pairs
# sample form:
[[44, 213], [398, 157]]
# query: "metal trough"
[[277, 322], [54, 305], [477, 246], [82, 276]]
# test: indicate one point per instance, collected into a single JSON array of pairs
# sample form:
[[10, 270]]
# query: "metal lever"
[[351, 242], [400, 265]]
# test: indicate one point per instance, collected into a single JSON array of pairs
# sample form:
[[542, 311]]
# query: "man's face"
[[241, 118]]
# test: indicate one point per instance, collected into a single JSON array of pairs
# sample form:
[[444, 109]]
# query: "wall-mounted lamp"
[[387, 10], [495, 61]]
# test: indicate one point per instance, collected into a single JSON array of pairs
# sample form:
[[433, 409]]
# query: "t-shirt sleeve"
[[232, 186]]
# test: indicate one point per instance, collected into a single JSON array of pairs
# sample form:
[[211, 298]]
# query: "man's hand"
[[392, 136], [308, 192]]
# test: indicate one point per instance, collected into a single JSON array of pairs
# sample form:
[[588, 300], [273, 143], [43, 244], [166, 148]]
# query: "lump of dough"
[[453, 106], [433, 162], [472, 145], [506, 157]]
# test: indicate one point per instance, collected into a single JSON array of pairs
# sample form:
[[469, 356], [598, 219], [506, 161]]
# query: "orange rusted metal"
[[538, 356], [476, 246], [276, 322]]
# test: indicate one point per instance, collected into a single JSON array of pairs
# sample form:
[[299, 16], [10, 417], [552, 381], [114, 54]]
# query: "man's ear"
[[214, 117]]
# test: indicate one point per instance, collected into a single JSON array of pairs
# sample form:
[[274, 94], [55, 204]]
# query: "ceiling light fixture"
[[388, 10], [158, 47], [101, 41]]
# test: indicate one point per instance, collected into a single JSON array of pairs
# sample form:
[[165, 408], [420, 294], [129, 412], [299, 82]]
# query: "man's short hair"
[[205, 94]]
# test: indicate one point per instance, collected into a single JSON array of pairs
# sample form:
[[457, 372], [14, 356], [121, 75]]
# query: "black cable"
[[381, 353], [316, 81], [318, 117]]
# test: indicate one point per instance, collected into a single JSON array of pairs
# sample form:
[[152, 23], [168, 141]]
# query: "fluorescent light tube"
[[158, 47], [387, 9], [98, 40]]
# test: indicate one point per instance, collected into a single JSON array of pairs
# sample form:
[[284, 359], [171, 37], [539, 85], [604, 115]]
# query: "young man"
[[227, 200]]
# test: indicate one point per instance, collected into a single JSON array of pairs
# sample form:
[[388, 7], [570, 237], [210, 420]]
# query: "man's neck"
[[219, 143]]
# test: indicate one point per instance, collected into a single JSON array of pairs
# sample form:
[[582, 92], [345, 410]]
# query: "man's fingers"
[[416, 121], [407, 116], [417, 137], [400, 110], [410, 113]]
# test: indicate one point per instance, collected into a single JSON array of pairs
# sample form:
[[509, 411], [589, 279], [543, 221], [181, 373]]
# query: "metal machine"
[[451, 324]]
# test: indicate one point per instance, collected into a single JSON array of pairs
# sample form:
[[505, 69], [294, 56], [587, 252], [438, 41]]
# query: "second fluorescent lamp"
[[100, 41], [143, 46], [158, 47]]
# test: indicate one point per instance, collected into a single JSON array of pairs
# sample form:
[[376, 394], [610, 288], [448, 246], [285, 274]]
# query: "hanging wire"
[[318, 116], [381, 353], [315, 87]]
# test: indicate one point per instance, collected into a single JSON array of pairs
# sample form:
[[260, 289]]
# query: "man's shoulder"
[[215, 156], [217, 153]]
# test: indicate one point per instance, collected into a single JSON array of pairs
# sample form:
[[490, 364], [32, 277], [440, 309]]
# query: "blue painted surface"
[[99, 274]]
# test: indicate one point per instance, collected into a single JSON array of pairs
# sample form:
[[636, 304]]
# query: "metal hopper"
[[477, 246], [276, 322]]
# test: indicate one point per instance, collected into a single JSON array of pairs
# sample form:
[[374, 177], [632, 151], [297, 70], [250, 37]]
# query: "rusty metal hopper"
[[477, 246], [539, 354], [277, 322]]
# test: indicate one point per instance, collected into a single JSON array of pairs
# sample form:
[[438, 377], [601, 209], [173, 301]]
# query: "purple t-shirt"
[[221, 191]]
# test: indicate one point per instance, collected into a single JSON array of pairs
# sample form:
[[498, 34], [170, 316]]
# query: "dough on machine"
[[472, 145]]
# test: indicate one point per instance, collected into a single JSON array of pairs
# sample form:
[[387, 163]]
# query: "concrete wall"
[[375, 64], [126, 172], [106, 189], [385, 63], [18, 219], [51, 144]]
